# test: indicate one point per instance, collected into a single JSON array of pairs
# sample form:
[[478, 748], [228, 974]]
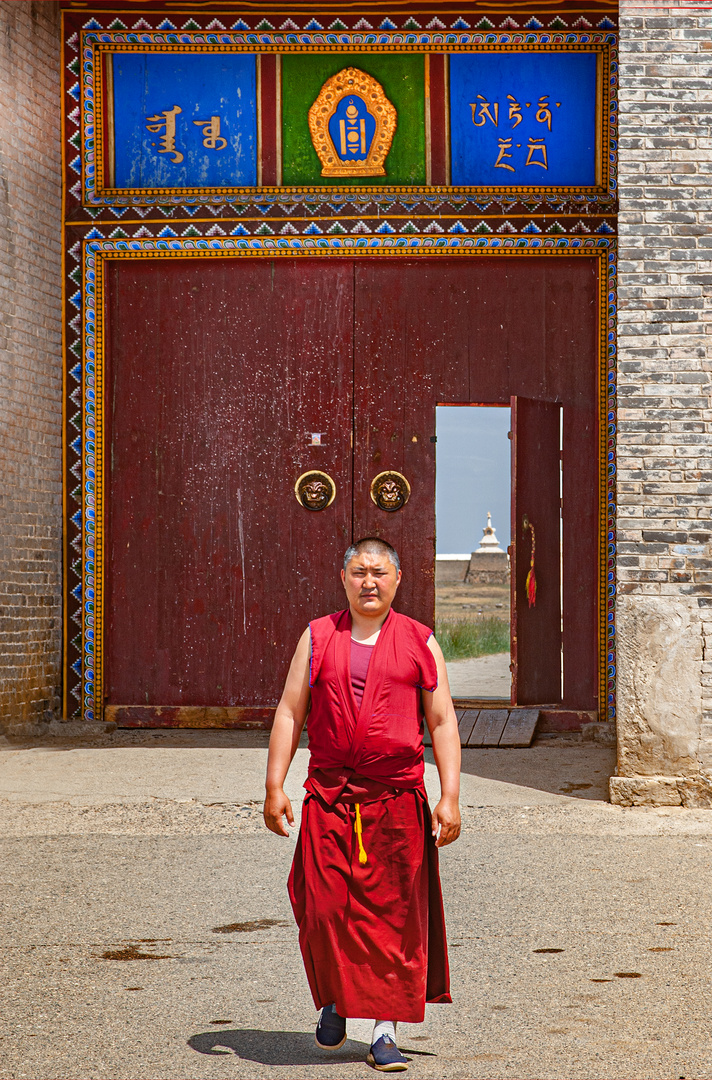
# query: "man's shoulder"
[[418, 629], [324, 619], [326, 622]]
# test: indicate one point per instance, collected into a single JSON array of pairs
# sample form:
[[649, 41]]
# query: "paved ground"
[[480, 677], [148, 933]]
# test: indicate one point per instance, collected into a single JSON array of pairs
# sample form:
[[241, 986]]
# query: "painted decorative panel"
[[401, 79], [239, 125], [181, 120], [524, 119]]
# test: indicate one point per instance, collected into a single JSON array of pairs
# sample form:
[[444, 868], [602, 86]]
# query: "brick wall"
[[665, 446], [30, 364]]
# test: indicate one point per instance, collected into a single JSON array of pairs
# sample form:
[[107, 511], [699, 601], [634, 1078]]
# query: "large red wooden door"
[[536, 520], [228, 378], [219, 372]]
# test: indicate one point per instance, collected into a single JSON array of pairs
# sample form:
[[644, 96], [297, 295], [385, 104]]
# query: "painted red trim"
[[438, 120], [268, 106], [194, 716], [552, 720]]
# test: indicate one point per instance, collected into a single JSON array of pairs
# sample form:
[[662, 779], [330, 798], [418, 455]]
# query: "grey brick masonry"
[[665, 414], [30, 364]]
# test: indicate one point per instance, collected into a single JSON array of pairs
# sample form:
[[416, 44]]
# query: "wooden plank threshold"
[[510, 727]]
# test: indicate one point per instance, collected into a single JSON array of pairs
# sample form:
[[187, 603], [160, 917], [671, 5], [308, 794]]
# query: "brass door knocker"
[[315, 490], [390, 490]]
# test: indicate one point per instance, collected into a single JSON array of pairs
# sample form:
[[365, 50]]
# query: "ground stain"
[[661, 948], [600, 980], [248, 927], [221, 1021], [132, 953], [548, 950], [627, 974]]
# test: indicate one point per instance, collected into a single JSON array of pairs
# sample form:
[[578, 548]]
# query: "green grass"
[[461, 639]]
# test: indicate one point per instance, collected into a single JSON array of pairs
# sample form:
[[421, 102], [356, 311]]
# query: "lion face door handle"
[[390, 491], [315, 490]]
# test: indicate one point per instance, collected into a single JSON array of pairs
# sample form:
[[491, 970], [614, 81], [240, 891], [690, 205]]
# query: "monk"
[[364, 883]]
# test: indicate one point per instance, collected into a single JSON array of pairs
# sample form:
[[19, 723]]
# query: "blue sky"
[[473, 476]]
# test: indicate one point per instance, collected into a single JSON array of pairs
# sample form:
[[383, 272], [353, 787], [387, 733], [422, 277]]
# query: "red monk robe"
[[372, 934]]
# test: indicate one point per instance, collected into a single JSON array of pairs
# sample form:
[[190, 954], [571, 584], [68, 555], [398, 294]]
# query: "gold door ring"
[[315, 490], [390, 491]]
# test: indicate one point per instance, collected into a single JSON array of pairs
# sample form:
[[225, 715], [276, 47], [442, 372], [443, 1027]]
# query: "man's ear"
[[343, 578]]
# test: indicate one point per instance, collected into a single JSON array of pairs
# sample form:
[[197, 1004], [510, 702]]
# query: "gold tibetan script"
[[352, 124]]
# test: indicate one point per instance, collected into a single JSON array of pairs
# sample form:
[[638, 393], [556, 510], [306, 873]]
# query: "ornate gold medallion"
[[352, 124], [390, 490], [315, 490]]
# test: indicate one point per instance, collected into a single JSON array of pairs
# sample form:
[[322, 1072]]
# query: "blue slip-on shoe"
[[331, 1029], [385, 1056]]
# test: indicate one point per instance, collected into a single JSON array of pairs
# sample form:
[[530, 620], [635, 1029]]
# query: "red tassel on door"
[[530, 584]]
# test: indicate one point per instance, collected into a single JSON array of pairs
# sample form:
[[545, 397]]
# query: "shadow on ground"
[[274, 1047], [280, 1047], [578, 770]]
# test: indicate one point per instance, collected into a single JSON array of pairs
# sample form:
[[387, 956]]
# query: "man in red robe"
[[364, 884]]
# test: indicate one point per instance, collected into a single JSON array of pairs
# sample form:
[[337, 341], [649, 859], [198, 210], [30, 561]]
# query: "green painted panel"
[[403, 81]]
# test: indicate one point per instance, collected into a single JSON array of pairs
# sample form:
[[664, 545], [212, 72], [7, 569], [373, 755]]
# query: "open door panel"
[[536, 524]]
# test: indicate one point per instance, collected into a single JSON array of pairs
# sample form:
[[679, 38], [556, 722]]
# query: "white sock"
[[383, 1027]]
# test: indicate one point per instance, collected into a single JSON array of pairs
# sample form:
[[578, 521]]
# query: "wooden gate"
[[227, 379]]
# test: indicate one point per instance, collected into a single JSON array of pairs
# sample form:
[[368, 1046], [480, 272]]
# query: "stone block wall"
[[30, 365], [665, 410], [488, 568]]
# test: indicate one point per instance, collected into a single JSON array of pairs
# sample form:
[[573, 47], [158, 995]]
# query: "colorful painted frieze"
[[174, 120]]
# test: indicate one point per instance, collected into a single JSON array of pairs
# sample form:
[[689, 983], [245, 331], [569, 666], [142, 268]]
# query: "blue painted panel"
[[523, 119], [184, 120]]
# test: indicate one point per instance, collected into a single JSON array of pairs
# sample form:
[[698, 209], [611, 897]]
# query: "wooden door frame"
[[97, 252]]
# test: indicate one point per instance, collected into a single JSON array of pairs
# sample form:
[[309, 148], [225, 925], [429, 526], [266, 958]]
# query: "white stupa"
[[489, 544]]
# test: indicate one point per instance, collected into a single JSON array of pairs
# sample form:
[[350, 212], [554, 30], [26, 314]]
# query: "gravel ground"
[[148, 933]]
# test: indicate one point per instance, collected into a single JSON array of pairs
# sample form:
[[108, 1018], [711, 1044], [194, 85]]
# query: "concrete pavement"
[[481, 676], [148, 933]]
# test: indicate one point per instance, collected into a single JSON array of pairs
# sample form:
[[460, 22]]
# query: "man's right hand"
[[276, 805]]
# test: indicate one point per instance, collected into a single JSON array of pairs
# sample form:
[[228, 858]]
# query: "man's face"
[[370, 582]]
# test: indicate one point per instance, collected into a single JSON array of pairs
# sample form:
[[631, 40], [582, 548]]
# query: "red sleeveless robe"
[[372, 936]]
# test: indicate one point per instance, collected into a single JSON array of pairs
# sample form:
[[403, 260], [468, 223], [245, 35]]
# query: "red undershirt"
[[360, 659]]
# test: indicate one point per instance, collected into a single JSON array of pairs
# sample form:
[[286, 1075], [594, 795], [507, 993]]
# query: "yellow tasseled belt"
[[358, 829]]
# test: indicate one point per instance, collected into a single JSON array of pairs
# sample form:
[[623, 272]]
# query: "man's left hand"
[[446, 818]]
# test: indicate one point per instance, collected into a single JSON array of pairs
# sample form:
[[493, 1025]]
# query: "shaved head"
[[372, 545]]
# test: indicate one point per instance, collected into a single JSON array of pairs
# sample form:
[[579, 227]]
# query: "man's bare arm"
[[288, 724], [442, 725]]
